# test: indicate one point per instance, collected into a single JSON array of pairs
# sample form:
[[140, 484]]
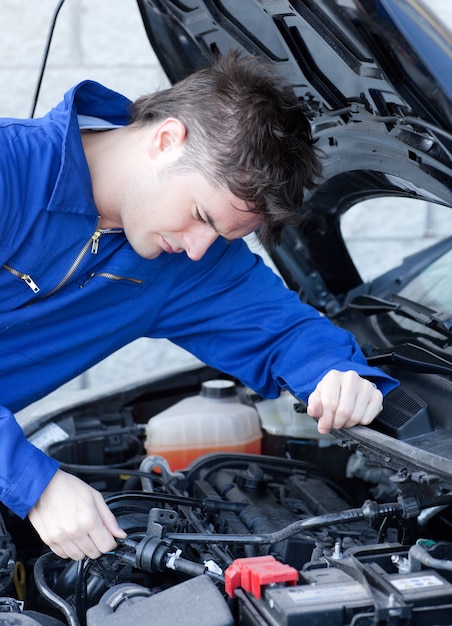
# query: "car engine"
[[311, 531]]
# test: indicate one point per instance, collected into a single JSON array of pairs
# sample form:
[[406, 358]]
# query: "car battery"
[[365, 585], [331, 601], [338, 599]]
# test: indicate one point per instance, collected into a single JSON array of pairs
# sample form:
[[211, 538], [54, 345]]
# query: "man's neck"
[[100, 151]]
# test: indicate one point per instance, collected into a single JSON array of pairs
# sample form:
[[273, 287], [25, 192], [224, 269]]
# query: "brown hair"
[[246, 131]]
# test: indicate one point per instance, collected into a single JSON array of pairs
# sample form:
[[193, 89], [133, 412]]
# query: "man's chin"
[[152, 255], [147, 253]]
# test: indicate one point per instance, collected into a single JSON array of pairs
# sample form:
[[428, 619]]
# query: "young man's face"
[[182, 213]]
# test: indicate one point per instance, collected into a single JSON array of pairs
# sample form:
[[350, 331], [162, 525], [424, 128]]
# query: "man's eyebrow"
[[210, 221]]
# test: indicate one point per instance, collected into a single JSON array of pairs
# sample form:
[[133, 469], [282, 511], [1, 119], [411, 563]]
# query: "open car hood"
[[375, 77], [388, 56]]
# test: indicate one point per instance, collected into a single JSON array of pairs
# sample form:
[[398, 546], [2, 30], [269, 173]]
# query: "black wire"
[[46, 54], [437, 501], [80, 589], [284, 469], [48, 593], [310, 523], [111, 470], [132, 432], [202, 503]]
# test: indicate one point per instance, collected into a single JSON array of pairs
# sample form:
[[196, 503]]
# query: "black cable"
[[369, 510], [205, 504], [80, 589], [48, 593], [46, 54], [437, 501], [132, 431], [116, 469], [284, 468]]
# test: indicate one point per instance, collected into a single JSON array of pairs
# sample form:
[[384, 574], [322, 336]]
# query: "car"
[[246, 515]]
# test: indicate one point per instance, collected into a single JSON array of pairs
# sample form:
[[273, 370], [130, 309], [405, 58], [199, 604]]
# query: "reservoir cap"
[[218, 388]]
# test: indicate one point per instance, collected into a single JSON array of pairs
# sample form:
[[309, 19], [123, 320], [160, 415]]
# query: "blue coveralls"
[[70, 295]]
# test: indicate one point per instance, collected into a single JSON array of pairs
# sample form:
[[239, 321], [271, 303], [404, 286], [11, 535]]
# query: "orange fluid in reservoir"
[[203, 424], [180, 458]]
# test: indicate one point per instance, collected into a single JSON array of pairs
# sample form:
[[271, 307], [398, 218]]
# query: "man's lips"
[[166, 246]]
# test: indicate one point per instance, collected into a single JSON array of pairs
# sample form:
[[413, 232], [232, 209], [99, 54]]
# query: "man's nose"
[[198, 242]]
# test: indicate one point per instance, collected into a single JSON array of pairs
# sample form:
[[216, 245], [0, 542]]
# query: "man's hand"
[[73, 520], [344, 399]]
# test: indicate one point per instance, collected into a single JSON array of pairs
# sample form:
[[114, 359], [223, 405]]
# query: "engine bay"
[[311, 530]]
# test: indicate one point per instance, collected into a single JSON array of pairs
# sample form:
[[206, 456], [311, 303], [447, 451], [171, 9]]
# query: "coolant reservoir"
[[213, 421], [279, 417]]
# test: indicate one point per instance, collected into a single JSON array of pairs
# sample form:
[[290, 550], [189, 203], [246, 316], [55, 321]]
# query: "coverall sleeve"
[[25, 471], [236, 314]]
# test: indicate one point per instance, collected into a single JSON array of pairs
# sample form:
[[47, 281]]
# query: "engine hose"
[[444, 500], [206, 504], [49, 594], [175, 562], [80, 591], [123, 430], [370, 511], [418, 553]]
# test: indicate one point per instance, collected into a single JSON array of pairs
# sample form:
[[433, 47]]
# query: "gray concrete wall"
[[102, 40]]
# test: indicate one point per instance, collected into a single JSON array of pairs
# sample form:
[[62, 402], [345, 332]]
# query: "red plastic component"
[[252, 573]]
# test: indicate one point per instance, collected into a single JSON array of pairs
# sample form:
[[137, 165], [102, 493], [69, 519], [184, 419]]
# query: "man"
[[120, 222]]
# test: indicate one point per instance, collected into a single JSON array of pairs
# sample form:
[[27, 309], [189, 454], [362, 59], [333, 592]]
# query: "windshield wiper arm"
[[371, 305], [412, 358]]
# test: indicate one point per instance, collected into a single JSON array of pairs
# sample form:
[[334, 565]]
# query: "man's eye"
[[199, 217]]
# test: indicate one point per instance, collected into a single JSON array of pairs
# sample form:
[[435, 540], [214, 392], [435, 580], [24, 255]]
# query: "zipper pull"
[[30, 282], [95, 242]]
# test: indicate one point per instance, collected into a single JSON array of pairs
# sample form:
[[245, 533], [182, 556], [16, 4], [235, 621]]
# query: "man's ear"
[[167, 135]]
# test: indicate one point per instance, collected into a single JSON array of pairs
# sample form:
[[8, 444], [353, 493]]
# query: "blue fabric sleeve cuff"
[[25, 471]]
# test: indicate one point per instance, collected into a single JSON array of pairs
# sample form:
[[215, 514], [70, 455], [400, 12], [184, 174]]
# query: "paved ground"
[[104, 40]]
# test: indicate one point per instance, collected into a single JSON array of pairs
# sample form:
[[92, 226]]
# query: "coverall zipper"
[[93, 243], [111, 276], [25, 277]]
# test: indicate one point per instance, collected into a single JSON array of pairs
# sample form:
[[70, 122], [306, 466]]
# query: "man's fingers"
[[344, 399], [83, 537], [108, 519], [368, 403], [73, 519], [321, 412], [314, 408], [68, 549], [374, 406]]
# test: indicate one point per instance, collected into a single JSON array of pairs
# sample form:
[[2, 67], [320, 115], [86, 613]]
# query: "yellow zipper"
[[25, 277], [110, 276], [93, 243]]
